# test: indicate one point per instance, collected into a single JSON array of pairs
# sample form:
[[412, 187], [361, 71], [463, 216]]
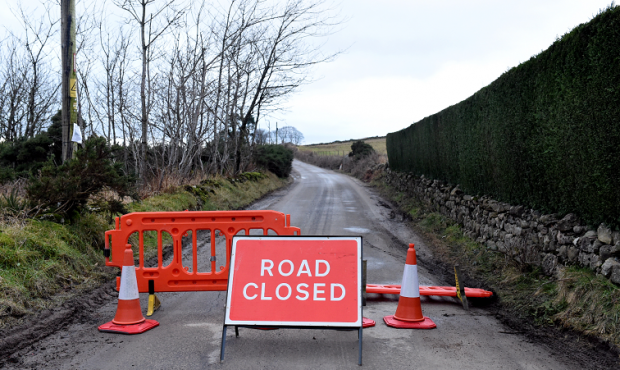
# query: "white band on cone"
[[129, 284], [410, 287]]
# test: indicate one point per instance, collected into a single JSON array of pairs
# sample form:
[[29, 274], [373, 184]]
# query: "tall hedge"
[[545, 134]]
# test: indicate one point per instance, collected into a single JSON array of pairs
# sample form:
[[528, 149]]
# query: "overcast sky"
[[408, 59]]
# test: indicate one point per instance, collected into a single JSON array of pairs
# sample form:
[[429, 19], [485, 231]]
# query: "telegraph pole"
[[69, 80]]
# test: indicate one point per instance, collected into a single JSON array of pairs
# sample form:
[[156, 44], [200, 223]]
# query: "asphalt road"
[[320, 202]]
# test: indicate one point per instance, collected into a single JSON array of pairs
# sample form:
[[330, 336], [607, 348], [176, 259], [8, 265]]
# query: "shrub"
[[21, 158], [360, 149], [66, 189], [545, 134], [11, 204], [275, 158]]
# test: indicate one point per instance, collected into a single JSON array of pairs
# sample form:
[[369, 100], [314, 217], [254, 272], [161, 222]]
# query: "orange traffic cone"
[[128, 318], [409, 311]]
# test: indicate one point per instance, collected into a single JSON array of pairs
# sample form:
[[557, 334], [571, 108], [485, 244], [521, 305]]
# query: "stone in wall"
[[605, 252], [615, 275], [608, 266], [604, 234], [549, 264]]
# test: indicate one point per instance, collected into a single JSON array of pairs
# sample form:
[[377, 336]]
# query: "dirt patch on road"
[[39, 326]]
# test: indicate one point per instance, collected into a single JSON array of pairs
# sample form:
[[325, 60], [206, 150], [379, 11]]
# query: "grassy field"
[[344, 147]]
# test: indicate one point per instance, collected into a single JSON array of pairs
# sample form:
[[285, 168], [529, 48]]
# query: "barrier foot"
[[222, 349], [154, 304], [237, 331], [367, 323]]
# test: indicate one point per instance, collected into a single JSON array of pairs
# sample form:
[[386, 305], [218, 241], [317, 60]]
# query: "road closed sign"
[[295, 281]]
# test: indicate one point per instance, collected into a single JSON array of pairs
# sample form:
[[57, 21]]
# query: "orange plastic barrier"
[[176, 276], [444, 291]]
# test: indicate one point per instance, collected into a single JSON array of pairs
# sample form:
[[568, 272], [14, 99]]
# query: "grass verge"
[[215, 194], [42, 263], [575, 298]]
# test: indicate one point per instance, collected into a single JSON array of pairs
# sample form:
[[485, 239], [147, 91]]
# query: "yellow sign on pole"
[[73, 88]]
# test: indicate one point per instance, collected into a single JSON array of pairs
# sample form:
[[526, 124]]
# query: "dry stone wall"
[[526, 235]]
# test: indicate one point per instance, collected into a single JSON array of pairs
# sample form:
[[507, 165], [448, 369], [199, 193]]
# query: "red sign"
[[295, 281]]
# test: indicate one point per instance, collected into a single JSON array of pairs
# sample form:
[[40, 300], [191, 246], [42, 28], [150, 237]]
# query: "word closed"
[[312, 281]]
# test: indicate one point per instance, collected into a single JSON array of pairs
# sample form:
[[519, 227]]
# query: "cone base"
[[367, 323], [128, 312], [395, 323], [140, 328]]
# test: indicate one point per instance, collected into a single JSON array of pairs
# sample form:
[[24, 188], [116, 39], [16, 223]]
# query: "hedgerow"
[[545, 134]]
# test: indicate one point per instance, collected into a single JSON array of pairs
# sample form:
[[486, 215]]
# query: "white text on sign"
[[303, 291]]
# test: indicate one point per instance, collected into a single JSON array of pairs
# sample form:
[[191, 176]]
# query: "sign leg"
[[237, 331], [223, 344], [364, 281], [360, 349]]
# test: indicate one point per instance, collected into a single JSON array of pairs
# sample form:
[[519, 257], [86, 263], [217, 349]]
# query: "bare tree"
[[187, 96], [283, 56], [261, 136], [153, 23], [41, 94], [289, 134], [12, 95], [28, 84], [86, 49]]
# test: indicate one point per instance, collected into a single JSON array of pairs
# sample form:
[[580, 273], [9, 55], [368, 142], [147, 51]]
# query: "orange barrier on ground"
[[176, 227], [444, 291]]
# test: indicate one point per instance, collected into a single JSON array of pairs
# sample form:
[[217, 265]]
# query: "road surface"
[[320, 202]]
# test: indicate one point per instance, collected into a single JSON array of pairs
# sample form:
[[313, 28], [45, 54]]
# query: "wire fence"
[[327, 153]]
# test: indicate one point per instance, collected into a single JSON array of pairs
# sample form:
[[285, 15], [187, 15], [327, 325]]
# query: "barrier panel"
[[183, 229]]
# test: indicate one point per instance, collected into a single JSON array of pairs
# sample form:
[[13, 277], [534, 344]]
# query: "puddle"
[[199, 325], [360, 230]]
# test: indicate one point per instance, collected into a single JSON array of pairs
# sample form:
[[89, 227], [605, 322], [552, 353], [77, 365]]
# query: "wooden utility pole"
[[276, 133], [69, 80]]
